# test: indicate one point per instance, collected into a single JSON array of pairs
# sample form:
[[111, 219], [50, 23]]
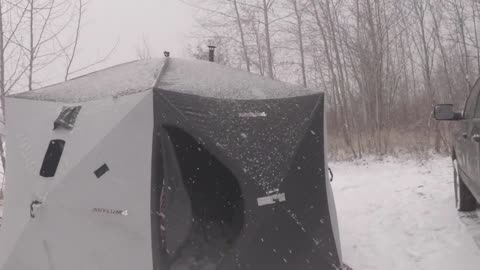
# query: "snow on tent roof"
[[124, 79], [194, 77], [208, 79]]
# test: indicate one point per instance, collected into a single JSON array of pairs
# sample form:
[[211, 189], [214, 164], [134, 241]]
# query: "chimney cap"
[[211, 53]]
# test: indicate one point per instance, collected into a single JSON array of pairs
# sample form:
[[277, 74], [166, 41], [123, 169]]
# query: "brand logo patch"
[[252, 114], [273, 199], [110, 211]]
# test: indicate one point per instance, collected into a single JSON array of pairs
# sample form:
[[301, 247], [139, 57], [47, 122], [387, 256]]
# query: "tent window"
[[52, 158], [101, 171], [67, 117]]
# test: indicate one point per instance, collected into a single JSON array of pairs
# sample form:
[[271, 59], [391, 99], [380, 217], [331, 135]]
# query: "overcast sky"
[[165, 24]]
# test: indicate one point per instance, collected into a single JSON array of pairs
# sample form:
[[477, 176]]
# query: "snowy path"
[[399, 215]]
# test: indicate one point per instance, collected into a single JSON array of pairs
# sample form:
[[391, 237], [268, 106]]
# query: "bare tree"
[[46, 22], [71, 56], [383, 64], [242, 34], [8, 58], [301, 47], [267, 5], [31, 36], [143, 51]]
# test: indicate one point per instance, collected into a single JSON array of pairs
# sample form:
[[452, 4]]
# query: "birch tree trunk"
[[266, 8], [298, 17], [242, 35]]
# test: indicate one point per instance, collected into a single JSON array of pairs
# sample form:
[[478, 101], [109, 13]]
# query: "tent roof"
[[118, 80], [194, 77]]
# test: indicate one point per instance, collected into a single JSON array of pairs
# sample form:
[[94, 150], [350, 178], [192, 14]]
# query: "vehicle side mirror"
[[445, 112]]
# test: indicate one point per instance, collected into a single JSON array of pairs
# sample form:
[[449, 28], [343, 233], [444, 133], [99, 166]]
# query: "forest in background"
[[382, 63]]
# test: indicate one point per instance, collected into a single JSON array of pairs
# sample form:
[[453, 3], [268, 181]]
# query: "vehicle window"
[[472, 102]]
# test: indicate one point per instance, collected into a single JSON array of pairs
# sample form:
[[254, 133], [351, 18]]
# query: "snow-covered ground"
[[400, 215]]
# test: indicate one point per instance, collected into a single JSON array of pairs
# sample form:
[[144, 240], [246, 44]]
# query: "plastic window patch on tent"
[[67, 117], [52, 158], [101, 171]]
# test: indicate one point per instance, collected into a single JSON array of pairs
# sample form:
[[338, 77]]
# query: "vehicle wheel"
[[464, 200]]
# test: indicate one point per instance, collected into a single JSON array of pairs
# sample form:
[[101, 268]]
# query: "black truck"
[[465, 148]]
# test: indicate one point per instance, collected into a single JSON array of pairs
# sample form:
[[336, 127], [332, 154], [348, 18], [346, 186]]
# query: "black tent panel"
[[298, 233], [246, 130], [247, 180]]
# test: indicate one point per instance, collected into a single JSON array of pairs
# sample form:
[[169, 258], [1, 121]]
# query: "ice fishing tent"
[[168, 164]]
